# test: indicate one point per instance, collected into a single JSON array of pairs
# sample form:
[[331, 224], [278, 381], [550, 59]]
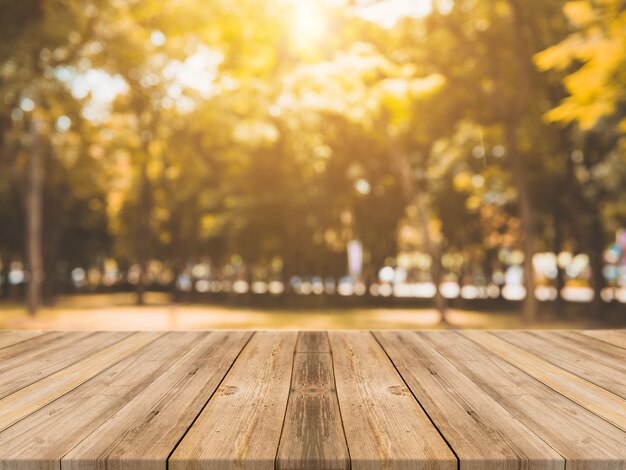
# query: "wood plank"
[[313, 341], [313, 436], [241, 425], [35, 396], [614, 337], [32, 346], [575, 357], [25, 369], [384, 425], [8, 338], [40, 440], [146, 430], [482, 433], [596, 399], [601, 350], [585, 440]]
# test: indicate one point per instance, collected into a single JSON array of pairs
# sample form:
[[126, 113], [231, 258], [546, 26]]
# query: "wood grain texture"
[[594, 398], [313, 341], [35, 396], [241, 425], [312, 436], [384, 425], [482, 433], [601, 350], [579, 358], [40, 440], [27, 368], [31, 346], [614, 337], [585, 440], [312, 401], [147, 428], [8, 338]]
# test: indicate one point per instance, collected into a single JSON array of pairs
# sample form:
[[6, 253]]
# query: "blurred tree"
[[591, 61], [38, 38], [249, 137], [595, 58], [470, 44]]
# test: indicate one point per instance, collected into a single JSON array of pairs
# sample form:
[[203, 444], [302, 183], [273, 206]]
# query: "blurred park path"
[[105, 312]]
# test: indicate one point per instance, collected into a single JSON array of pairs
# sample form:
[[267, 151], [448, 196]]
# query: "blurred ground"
[[116, 312]]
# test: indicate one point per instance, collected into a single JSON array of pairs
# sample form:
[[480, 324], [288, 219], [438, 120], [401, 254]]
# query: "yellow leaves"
[[580, 13], [600, 46], [586, 116], [558, 57], [593, 93]]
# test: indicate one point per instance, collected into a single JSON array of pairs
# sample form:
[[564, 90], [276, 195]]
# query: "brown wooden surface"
[[385, 426], [584, 439], [241, 425], [483, 434], [312, 436], [313, 400]]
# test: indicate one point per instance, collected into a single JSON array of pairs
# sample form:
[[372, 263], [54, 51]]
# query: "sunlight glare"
[[387, 13], [309, 23]]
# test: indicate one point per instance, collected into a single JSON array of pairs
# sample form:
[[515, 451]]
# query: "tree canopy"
[[250, 140]]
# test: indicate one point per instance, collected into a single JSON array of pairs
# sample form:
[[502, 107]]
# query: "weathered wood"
[[585, 440], [601, 350], [614, 337], [577, 358], [8, 338], [35, 396], [148, 427], [313, 341], [241, 425], [482, 433], [384, 425], [30, 347], [22, 370], [312, 436], [594, 398], [312, 401], [39, 441]]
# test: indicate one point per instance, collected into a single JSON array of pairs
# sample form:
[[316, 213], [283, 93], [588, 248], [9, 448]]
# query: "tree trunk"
[[4, 277], [589, 230], [434, 251], [560, 272], [34, 219], [529, 309], [143, 232], [422, 203], [596, 263], [143, 236]]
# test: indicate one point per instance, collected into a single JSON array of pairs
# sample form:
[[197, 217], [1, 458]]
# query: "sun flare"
[[310, 23]]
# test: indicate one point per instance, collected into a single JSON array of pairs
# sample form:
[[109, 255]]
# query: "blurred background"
[[312, 164]]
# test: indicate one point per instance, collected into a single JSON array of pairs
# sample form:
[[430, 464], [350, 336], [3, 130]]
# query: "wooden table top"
[[313, 400]]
